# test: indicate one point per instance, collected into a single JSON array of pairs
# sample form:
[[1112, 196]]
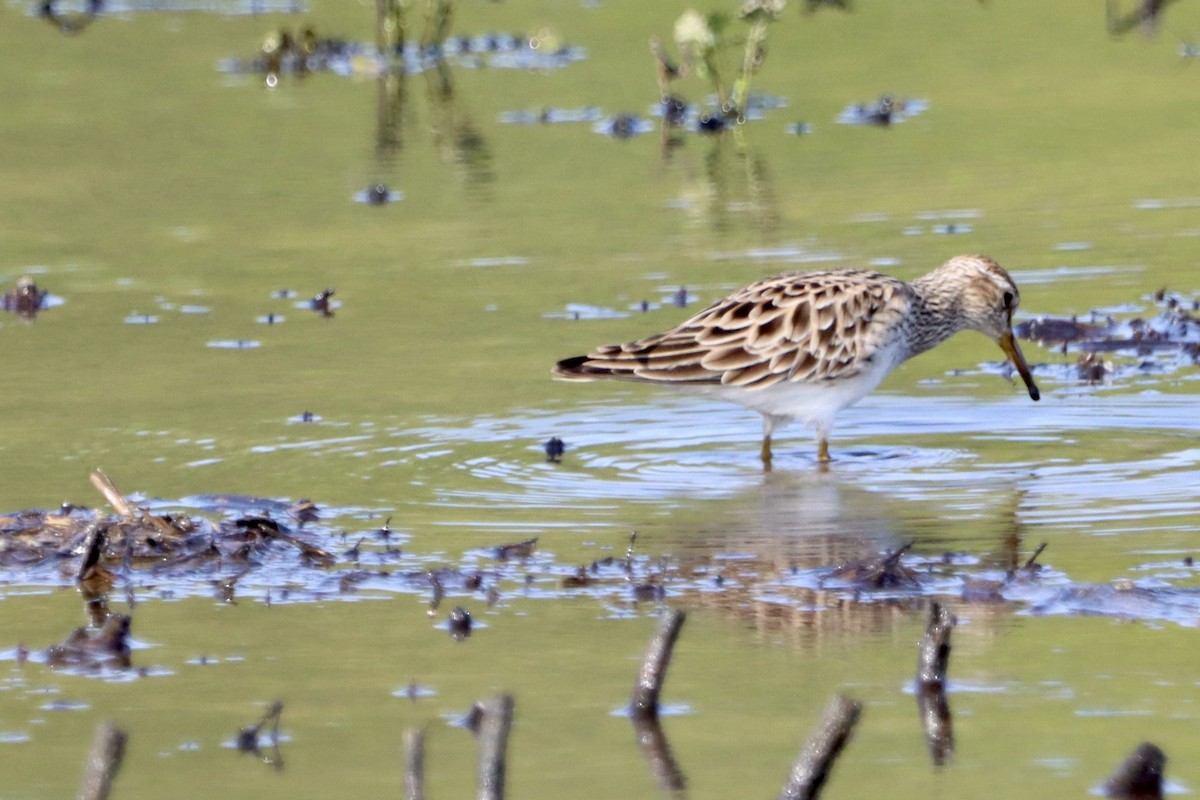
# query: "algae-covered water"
[[176, 207]]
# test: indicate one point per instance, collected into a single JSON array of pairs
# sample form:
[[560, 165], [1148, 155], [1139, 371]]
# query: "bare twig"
[[1030, 563], [493, 746], [653, 672], [115, 499], [813, 764], [103, 762]]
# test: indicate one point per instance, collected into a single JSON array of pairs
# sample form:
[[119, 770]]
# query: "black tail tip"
[[570, 366]]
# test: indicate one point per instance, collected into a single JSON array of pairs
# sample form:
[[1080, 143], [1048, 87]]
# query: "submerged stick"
[[934, 656], [103, 762], [1140, 776], [653, 741], [644, 703], [493, 746], [935, 646], [812, 766], [414, 764], [1029, 565]]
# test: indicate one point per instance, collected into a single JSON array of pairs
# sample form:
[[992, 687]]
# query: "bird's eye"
[[1008, 300]]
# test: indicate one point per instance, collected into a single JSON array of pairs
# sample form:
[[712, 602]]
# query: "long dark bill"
[[1009, 345]]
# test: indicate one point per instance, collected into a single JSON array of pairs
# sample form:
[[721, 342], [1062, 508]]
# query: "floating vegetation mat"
[[285, 54], [1121, 342]]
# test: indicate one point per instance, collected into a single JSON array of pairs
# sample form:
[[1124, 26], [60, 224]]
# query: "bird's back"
[[806, 327]]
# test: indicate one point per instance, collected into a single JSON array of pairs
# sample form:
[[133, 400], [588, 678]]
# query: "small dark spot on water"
[[711, 123], [323, 303], [472, 719], [552, 116], [270, 319], [645, 592], [799, 129], [137, 318], [284, 294], [581, 311], [951, 228], [673, 110], [459, 623], [378, 195], [554, 448], [887, 110], [234, 344], [623, 126]]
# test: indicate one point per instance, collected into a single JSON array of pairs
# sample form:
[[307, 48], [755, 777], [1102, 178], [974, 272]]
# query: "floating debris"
[[459, 623], [881, 572], [581, 311], [264, 746], [378, 195], [25, 299], [623, 126], [552, 116], [507, 552], [226, 8], [1092, 368], [283, 53], [1168, 341], [90, 651], [885, 111], [322, 302]]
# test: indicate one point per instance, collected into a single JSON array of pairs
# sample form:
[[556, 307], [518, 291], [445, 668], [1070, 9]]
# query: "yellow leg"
[[766, 453], [823, 451]]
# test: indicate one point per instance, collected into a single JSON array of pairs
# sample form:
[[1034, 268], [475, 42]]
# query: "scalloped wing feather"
[[800, 327]]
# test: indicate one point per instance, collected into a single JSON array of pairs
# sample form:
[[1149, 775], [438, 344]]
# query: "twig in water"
[[644, 703], [493, 746], [934, 655], [813, 764], [103, 762], [115, 499], [657, 750], [1033, 558], [414, 764]]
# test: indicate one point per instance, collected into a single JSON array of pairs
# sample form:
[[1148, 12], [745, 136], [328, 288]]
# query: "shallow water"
[[177, 210]]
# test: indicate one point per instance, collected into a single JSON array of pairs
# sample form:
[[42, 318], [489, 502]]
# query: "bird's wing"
[[808, 327]]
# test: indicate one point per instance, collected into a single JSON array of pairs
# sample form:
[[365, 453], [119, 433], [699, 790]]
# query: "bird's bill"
[[1009, 345]]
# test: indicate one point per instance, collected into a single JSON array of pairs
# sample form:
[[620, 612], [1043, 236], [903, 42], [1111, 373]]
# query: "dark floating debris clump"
[[885, 111], [555, 448], [378, 194], [26, 299], [1110, 348]]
